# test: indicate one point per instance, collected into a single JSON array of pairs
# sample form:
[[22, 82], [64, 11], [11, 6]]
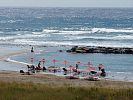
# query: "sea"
[[61, 28]]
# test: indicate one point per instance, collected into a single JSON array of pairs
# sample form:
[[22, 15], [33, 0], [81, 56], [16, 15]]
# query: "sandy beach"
[[9, 75], [13, 76]]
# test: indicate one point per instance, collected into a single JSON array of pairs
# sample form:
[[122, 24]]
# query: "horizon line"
[[56, 7]]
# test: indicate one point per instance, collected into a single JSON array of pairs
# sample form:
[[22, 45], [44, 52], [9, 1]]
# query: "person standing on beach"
[[39, 64], [100, 66], [77, 66]]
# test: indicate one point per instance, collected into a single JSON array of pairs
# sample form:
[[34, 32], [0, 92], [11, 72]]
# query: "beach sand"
[[52, 80], [9, 75]]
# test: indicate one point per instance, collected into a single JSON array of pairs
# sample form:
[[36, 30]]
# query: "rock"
[[106, 50], [74, 48]]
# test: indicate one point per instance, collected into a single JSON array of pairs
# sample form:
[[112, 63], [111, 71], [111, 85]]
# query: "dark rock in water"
[[129, 51], [68, 51], [74, 49], [106, 50]]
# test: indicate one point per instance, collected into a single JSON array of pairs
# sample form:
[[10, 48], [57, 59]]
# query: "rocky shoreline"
[[105, 50]]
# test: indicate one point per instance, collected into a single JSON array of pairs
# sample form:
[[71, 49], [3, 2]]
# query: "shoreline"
[[6, 52], [20, 50]]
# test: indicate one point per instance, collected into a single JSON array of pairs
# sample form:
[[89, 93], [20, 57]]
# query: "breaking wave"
[[71, 43], [66, 36], [107, 30], [90, 30]]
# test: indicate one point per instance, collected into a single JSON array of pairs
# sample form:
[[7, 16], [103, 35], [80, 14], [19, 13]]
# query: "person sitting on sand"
[[103, 72], [44, 68], [39, 65], [65, 71], [33, 68], [29, 67], [100, 66], [55, 70]]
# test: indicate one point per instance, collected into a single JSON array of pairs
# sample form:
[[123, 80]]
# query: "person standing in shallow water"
[[32, 49]]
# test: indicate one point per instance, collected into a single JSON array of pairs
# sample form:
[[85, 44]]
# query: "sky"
[[66, 3]]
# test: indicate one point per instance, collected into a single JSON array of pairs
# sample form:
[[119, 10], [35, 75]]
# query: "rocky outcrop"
[[106, 50]]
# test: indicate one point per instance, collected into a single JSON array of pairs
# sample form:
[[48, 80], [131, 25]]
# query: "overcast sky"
[[66, 3]]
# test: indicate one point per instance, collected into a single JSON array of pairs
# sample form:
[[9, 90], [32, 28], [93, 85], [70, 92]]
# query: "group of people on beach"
[[67, 70], [70, 69], [32, 68]]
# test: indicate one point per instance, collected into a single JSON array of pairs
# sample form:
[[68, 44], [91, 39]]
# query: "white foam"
[[1, 32], [87, 30], [111, 30], [37, 33], [122, 37], [69, 43], [73, 32], [10, 21], [119, 37], [69, 36], [14, 61], [63, 32], [50, 31], [18, 34], [6, 38]]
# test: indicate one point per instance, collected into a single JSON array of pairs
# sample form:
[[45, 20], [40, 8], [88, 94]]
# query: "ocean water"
[[109, 27], [67, 26]]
